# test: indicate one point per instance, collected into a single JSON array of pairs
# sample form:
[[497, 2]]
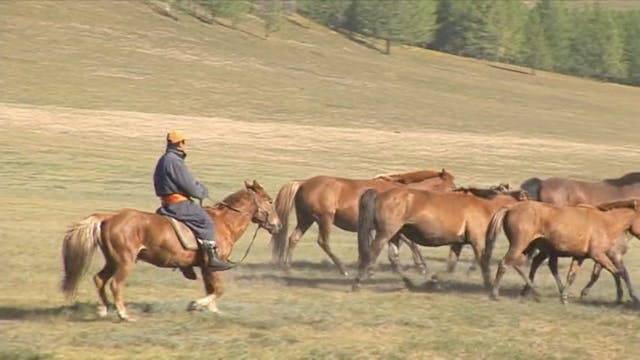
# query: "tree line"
[[553, 35]]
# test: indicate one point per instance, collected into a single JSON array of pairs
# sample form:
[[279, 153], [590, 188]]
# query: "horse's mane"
[[488, 193], [627, 179], [414, 176], [627, 203]]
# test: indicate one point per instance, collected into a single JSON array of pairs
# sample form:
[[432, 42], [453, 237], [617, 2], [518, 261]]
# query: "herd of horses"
[[543, 219]]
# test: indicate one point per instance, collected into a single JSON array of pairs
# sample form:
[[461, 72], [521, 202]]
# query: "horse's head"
[[264, 215]]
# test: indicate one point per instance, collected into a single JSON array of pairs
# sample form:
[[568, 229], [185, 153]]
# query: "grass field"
[[89, 88]]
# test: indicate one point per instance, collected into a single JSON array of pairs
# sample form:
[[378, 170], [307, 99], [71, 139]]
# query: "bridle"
[[254, 219]]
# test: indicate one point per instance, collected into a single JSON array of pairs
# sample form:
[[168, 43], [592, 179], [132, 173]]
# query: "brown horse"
[[575, 231], [569, 192], [130, 235], [562, 192], [328, 200], [428, 219]]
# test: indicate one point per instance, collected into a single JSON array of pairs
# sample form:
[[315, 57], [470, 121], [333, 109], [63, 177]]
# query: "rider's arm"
[[186, 182]]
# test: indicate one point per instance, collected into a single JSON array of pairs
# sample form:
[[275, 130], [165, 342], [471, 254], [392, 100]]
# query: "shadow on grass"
[[86, 312]]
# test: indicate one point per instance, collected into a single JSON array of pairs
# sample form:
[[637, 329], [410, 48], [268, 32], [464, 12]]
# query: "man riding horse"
[[175, 186]]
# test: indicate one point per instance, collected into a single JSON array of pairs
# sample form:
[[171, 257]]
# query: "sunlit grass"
[[90, 88]]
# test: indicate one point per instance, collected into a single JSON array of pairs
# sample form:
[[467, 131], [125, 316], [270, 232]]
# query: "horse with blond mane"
[[130, 235]]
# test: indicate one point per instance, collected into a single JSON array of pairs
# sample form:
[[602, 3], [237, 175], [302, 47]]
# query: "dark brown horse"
[[573, 231], [429, 219], [130, 235], [328, 200], [561, 191]]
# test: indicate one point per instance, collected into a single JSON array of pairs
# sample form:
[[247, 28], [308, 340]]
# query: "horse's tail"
[[492, 232], [532, 187], [283, 206], [78, 247], [366, 222]]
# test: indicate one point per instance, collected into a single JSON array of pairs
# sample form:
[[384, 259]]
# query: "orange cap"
[[175, 136]]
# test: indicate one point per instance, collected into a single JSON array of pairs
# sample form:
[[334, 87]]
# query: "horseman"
[[175, 186]]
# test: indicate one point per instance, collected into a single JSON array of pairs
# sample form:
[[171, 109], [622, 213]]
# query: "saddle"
[[187, 241]]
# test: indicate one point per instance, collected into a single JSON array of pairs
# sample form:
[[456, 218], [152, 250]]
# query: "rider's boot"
[[215, 263]]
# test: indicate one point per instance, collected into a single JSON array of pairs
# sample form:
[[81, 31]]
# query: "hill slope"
[[123, 56]]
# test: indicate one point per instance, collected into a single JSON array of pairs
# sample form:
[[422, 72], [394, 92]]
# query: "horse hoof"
[[194, 306], [409, 284], [102, 312], [344, 273], [355, 287], [494, 297]]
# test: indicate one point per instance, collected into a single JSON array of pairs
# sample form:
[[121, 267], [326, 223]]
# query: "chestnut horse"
[[569, 192], [130, 235], [328, 200], [428, 219], [575, 231]]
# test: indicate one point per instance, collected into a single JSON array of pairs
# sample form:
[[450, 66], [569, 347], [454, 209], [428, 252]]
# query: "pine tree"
[[402, 21], [597, 45], [535, 51], [556, 23], [333, 13], [631, 53]]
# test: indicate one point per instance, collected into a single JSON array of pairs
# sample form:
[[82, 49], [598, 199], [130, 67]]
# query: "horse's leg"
[[595, 275], [394, 259], [575, 266], [100, 279], [609, 263], [478, 250], [418, 260], [564, 290], [454, 256], [624, 273], [213, 289], [303, 225], [513, 258], [324, 229], [535, 264], [376, 247], [117, 286]]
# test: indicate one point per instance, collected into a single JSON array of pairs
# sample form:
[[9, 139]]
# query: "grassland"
[[88, 89]]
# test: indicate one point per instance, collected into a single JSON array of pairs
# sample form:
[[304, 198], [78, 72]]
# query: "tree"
[[271, 12], [233, 10], [402, 21], [333, 13], [597, 45], [454, 21], [535, 52], [631, 47], [557, 26]]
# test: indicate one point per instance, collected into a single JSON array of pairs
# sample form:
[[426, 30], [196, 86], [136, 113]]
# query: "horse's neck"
[[238, 219], [620, 220]]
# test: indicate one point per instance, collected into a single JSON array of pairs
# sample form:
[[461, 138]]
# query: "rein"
[[248, 248], [241, 212]]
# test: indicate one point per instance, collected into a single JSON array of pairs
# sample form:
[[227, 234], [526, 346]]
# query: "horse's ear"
[[635, 205], [255, 184], [247, 185]]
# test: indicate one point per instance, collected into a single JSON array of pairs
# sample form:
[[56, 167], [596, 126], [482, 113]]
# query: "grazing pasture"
[[89, 88]]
